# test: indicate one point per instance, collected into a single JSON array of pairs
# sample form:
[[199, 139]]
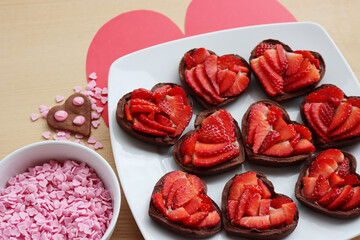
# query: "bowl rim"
[[109, 169]]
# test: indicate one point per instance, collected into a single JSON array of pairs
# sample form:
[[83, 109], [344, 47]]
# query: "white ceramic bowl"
[[37, 153]]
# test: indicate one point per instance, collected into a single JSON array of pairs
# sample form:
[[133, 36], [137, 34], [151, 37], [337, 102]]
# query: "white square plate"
[[141, 165]]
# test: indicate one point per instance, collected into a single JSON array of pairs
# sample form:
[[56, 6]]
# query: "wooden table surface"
[[43, 46]]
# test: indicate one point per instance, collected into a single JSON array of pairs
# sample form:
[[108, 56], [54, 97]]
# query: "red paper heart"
[[135, 30]]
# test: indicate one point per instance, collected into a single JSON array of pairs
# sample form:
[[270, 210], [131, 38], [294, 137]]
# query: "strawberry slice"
[[193, 205], [346, 193], [260, 73], [200, 55], [206, 204], [280, 149], [276, 80], [326, 113], [327, 160], [194, 219], [182, 196], [257, 115], [142, 94], [258, 222], [308, 79], [204, 82], [354, 101], [320, 168], [341, 114], [311, 121], [178, 214], [153, 124], [161, 92], [351, 180], [265, 193], [277, 217], [279, 201], [210, 65], [184, 120], [144, 108], [264, 207], [178, 91], [335, 154], [333, 94], [169, 181], [262, 48], [295, 140], [308, 186], [329, 197], [304, 146], [176, 185], [285, 130], [271, 138], [196, 183], [282, 58], [315, 97], [303, 131], [213, 132], [173, 106], [226, 119], [139, 126], [304, 68], [310, 57], [351, 122], [237, 187], [188, 147], [190, 61], [195, 85], [225, 80], [335, 180], [294, 63], [158, 201], [128, 113], [344, 168], [253, 204], [260, 133], [214, 160], [210, 220], [243, 200], [164, 120], [289, 210], [231, 209], [240, 84], [349, 134], [315, 112], [321, 188], [227, 62], [271, 57], [213, 149], [354, 201]]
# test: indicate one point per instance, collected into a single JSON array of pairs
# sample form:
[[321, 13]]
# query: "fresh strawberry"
[[253, 204], [315, 97], [349, 134], [304, 146], [254, 188], [169, 181], [161, 92], [210, 220], [237, 68], [258, 222], [206, 204], [195, 85], [279, 201], [213, 149], [178, 214], [144, 108], [335, 154], [188, 145], [260, 133], [310, 57], [294, 63], [182, 196], [354, 101], [308, 79], [344, 168], [243, 200], [178, 91], [260, 73], [332, 93], [194, 219], [265, 193], [295, 140], [177, 184], [155, 125], [282, 58], [335, 180], [128, 113], [227, 121], [213, 133], [327, 160], [308, 186], [326, 113], [231, 209], [196, 183], [281, 149], [315, 112], [205, 82], [341, 114], [237, 187], [226, 62], [285, 130], [158, 201], [273, 114], [271, 57], [214, 160], [304, 68], [289, 210], [320, 168], [200, 55], [329, 197], [193, 205], [240, 84], [277, 217], [311, 121], [345, 195], [257, 114], [321, 188], [139, 126], [264, 207], [190, 61], [351, 122], [354, 201], [142, 94], [351, 179], [275, 79], [210, 65], [225, 79], [261, 49], [271, 138], [173, 106], [184, 120], [164, 120]]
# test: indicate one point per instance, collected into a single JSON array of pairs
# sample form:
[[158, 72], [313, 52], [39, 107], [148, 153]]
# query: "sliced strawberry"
[[176, 185], [271, 138], [258, 222], [344, 168], [188, 145], [204, 82], [210, 65], [213, 149], [253, 188], [289, 210], [237, 68], [334, 94], [155, 125], [144, 108], [311, 121], [326, 113], [335, 180], [212, 134], [308, 79], [346, 193], [279, 201], [351, 179], [196, 183], [193, 205], [275, 79], [200, 55], [240, 84], [231, 209], [128, 113], [226, 62], [214, 160], [351, 122], [273, 60], [169, 181], [349, 134], [227, 120], [206, 204], [190, 61], [354, 201], [225, 80], [294, 63], [195, 85], [178, 91], [173, 106], [354, 101], [194, 219], [257, 115], [295, 140], [335, 154], [265, 193], [261, 49], [320, 168], [304, 146], [315, 114], [161, 92], [310, 57], [341, 114], [264, 207], [277, 217], [210, 220], [330, 197], [178, 214], [142, 94], [285, 130], [308, 186], [260, 133], [243, 200], [182, 196], [151, 116], [184, 120], [282, 58], [253, 204], [260, 73], [327, 160], [237, 187], [139, 126], [304, 68], [158, 201], [321, 188], [315, 97], [280, 149], [164, 120]]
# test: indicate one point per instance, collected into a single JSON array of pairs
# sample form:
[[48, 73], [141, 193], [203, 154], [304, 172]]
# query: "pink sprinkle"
[[95, 115], [95, 123], [91, 140], [61, 133], [93, 101], [97, 95], [59, 98], [93, 76], [77, 141], [105, 91], [77, 89], [79, 136], [90, 86], [88, 93], [93, 106], [98, 145], [44, 113], [99, 109], [46, 135], [104, 100], [43, 108], [34, 117], [91, 146]]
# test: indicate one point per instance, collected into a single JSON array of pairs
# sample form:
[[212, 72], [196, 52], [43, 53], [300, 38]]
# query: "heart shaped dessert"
[[212, 80], [74, 115], [283, 73], [158, 116], [332, 116], [179, 203], [251, 208], [271, 138], [328, 184], [214, 146]]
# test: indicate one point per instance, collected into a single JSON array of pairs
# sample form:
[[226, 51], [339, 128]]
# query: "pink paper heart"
[[135, 30], [59, 98], [34, 117], [46, 135]]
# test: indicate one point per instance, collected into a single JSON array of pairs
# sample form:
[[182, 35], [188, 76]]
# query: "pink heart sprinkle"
[[95, 115], [43, 108], [78, 136], [91, 140], [46, 135], [90, 86], [77, 89], [104, 100], [97, 95], [95, 123], [91, 146], [98, 145], [105, 91], [59, 98], [93, 76], [34, 116], [99, 109]]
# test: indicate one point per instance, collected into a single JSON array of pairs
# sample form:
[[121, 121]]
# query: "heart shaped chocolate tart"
[[180, 204], [212, 80], [328, 184], [333, 117], [214, 146], [252, 209], [158, 116], [74, 115], [283, 73], [271, 138]]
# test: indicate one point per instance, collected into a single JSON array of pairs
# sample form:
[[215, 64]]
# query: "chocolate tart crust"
[[315, 206], [288, 96], [182, 68], [269, 234], [178, 228], [321, 143], [219, 168], [264, 159], [127, 126]]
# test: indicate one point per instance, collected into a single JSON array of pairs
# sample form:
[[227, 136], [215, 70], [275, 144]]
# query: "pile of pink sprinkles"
[[57, 200]]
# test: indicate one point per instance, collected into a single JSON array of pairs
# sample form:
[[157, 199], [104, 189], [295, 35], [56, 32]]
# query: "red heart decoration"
[[135, 30]]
